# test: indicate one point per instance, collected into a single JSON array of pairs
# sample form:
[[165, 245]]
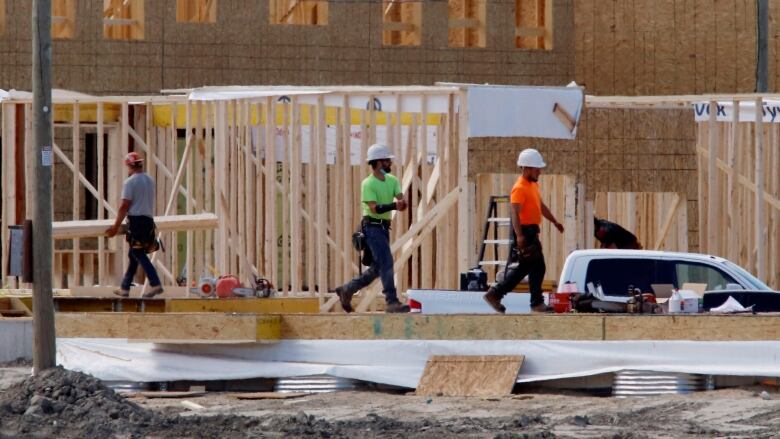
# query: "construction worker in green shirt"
[[380, 195]]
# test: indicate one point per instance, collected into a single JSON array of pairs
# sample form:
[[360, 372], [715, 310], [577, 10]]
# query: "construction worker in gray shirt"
[[138, 196]]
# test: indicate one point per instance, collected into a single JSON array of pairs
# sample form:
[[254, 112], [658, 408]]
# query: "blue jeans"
[[138, 256], [378, 240]]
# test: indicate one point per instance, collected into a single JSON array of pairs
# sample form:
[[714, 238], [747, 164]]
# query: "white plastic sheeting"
[[747, 111], [506, 111], [401, 362]]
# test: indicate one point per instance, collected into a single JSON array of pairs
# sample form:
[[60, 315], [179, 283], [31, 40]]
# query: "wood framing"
[[298, 12], [196, 11], [534, 24], [467, 23], [401, 23], [282, 196], [123, 19], [736, 188]]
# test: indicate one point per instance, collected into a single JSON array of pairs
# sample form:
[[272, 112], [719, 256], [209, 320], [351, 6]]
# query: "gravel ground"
[[65, 404]]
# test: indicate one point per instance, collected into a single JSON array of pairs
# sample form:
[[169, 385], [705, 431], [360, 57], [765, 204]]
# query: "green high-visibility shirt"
[[380, 192]]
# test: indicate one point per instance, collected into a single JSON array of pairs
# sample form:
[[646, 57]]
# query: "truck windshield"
[[754, 281]]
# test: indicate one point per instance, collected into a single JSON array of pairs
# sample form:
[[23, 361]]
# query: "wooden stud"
[[296, 203], [320, 157], [270, 202], [760, 234]]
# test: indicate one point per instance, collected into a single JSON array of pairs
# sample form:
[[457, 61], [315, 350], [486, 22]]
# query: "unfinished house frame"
[[401, 23], [298, 12], [278, 170], [63, 19], [123, 19], [534, 24], [196, 11], [739, 186], [467, 21]]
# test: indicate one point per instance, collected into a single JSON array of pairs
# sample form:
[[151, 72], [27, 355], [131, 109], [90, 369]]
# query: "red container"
[[560, 302]]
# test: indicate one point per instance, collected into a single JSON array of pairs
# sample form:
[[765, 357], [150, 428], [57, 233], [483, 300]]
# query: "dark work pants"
[[533, 267], [378, 240], [141, 229]]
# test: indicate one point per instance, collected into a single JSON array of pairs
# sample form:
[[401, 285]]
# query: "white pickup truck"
[[614, 271]]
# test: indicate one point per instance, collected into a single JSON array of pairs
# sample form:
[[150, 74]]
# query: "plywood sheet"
[[692, 327], [442, 327], [192, 328], [464, 375], [91, 325]]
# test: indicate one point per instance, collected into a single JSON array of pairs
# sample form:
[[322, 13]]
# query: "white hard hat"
[[379, 151], [530, 158]]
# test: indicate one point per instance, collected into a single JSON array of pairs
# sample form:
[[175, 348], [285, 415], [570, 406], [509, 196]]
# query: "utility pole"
[[762, 45], [44, 356]]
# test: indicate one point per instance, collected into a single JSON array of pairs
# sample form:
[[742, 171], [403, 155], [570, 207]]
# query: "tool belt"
[[367, 220], [142, 234], [532, 248]]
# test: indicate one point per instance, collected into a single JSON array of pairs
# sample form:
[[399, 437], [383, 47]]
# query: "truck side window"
[[615, 275], [689, 272]]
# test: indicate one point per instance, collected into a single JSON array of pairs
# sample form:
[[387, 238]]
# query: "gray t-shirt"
[[139, 189]]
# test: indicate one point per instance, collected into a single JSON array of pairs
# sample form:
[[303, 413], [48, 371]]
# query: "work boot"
[[396, 307], [345, 298], [122, 293], [155, 291], [494, 300], [541, 307]]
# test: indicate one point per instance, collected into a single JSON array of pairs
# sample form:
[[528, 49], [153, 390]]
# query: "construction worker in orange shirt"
[[527, 210]]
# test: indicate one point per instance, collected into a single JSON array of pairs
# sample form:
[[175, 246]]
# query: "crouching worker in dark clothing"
[[138, 196], [526, 215], [380, 195]]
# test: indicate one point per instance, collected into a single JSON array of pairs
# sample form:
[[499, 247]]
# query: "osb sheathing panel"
[[616, 150], [243, 48], [470, 375], [656, 47]]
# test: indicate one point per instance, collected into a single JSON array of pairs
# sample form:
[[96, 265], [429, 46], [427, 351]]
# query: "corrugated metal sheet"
[[629, 383], [127, 386], [317, 384]]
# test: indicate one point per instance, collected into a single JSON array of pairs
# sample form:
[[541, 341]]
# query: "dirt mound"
[[62, 403], [376, 426], [65, 404]]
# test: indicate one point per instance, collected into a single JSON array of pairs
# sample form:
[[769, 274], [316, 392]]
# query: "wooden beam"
[[170, 223], [760, 233], [565, 117], [667, 222], [713, 200]]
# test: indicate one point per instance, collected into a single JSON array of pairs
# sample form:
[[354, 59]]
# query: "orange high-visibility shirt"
[[526, 194]]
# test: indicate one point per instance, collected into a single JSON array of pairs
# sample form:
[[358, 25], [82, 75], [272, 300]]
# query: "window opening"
[[196, 11], [401, 23], [299, 12], [2, 17], [63, 19], [533, 24], [466, 23], [123, 19]]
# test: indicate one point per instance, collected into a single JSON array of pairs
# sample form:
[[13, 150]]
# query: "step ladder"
[[495, 222]]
